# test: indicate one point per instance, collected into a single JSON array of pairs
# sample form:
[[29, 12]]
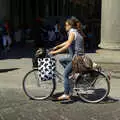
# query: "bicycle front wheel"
[[35, 88], [93, 86]]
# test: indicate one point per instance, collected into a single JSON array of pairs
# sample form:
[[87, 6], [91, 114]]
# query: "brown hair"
[[72, 23], [79, 28]]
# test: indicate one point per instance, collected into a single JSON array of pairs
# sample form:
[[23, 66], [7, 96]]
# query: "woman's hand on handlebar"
[[52, 52], [55, 48]]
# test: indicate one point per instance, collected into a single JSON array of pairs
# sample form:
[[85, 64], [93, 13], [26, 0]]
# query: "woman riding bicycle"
[[75, 45]]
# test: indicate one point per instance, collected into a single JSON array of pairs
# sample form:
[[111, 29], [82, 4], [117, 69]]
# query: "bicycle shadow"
[[74, 99]]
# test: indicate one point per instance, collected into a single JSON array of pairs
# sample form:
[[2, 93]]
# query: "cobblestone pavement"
[[14, 105]]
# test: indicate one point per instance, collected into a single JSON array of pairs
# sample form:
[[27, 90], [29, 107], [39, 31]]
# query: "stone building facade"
[[25, 11]]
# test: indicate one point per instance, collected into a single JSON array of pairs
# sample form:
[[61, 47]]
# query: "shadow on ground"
[[75, 99], [19, 52], [8, 70]]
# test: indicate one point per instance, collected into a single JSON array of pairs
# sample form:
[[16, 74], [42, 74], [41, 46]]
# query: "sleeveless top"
[[77, 46]]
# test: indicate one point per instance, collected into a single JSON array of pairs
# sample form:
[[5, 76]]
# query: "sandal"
[[64, 97]]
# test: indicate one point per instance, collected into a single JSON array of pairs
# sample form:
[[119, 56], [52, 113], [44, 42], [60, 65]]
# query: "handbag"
[[46, 68], [81, 63]]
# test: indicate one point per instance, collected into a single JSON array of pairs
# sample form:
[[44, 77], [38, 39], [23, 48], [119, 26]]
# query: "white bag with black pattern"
[[46, 68]]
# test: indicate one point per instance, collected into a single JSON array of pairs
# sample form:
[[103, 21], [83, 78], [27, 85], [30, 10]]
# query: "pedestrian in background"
[[18, 36], [6, 36], [57, 30]]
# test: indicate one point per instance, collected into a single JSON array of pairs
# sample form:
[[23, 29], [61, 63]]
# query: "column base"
[[109, 45]]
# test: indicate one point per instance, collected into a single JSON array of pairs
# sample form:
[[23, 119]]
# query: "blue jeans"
[[66, 62]]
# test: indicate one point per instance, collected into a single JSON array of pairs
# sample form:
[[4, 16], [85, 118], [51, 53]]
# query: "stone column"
[[110, 28]]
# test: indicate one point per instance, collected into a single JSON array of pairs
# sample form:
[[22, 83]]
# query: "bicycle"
[[91, 86]]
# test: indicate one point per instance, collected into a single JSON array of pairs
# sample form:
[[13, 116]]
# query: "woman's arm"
[[59, 46], [66, 44]]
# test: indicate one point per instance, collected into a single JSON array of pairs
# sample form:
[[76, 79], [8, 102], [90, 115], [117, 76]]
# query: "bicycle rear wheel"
[[35, 88], [93, 86]]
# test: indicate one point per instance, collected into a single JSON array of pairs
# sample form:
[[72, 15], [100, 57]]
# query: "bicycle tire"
[[33, 97]]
